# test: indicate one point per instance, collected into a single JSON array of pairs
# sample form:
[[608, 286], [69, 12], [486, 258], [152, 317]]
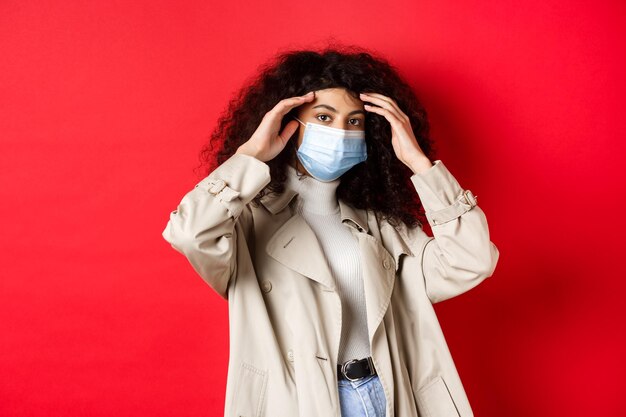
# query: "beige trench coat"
[[285, 313]]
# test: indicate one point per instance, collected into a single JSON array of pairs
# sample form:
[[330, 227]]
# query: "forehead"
[[339, 98]]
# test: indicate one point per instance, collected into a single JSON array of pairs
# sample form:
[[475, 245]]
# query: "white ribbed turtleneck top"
[[319, 206]]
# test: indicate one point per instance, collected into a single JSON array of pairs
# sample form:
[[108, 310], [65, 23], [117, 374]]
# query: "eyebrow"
[[335, 111]]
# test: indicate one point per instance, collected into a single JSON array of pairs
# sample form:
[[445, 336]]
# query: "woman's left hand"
[[402, 138]]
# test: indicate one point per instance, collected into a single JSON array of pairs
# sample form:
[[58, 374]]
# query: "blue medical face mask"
[[328, 152]]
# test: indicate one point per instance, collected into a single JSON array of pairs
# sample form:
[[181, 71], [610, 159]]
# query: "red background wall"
[[105, 105]]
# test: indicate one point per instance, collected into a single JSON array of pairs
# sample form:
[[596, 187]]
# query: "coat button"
[[290, 355], [386, 263], [266, 286]]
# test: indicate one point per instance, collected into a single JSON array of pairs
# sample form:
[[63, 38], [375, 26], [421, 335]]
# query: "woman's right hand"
[[266, 142]]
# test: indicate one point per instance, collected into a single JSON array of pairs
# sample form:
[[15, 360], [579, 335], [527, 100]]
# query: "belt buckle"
[[370, 361], [343, 369]]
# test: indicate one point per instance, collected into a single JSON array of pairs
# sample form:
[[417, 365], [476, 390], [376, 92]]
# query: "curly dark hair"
[[381, 183]]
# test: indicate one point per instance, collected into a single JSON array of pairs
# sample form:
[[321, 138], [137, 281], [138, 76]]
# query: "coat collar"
[[275, 203], [295, 245], [397, 240]]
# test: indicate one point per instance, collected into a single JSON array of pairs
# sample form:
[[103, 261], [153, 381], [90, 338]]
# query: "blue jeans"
[[362, 398]]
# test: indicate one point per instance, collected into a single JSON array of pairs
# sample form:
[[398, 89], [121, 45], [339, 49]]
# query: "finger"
[[386, 103], [388, 114], [287, 132], [384, 98], [286, 104], [379, 99]]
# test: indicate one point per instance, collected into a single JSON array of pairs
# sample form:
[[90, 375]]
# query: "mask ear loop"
[[294, 148], [299, 121]]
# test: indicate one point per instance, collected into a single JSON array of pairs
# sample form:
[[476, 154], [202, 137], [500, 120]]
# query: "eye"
[[358, 122], [322, 115]]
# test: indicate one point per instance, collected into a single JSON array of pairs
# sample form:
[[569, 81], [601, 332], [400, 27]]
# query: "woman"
[[309, 227]]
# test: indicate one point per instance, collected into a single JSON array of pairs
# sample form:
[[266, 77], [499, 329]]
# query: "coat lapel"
[[378, 281], [295, 245]]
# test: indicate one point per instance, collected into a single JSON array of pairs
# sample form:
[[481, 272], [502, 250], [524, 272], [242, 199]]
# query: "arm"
[[460, 255], [203, 225]]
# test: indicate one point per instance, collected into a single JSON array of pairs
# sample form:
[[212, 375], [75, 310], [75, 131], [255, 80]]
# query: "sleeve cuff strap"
[[465, 201], [237, 181], [441, 194]]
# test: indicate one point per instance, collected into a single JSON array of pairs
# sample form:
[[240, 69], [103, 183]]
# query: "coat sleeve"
[[202, 227], [460, 255]]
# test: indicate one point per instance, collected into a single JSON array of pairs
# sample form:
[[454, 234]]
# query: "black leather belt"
[[356, 368]]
